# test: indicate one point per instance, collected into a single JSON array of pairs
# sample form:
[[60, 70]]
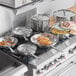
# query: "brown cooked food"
[[7, 43], [44, 40], [56, 31]]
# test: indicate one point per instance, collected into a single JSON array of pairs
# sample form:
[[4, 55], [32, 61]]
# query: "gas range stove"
[[47, 58], [27, 58]]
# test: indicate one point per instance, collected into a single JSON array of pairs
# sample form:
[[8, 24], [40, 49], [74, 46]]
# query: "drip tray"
[[7, 61]]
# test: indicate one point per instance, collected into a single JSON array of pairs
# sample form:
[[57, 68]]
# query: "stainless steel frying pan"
[[8, 41]]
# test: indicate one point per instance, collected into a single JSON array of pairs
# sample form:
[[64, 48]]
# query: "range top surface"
[[27, 58]]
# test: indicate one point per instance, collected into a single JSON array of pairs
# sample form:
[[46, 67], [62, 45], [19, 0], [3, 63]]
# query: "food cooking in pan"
[[4, 43], [8, 41], [44, 40], [57, 31]]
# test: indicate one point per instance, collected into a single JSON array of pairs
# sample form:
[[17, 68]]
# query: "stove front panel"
[[65, 68]]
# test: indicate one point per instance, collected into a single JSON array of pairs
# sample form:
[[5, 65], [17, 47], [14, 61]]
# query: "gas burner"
[[27, 58], [41, 50], [23, 58]]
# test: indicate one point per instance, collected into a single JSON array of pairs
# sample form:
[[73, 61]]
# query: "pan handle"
[[11, 50], [35, 56]]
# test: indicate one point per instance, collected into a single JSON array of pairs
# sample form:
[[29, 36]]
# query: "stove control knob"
[[61, 57], [39, 72], [45, 67], [74, 48], [71, 51], [50, 64], [55, 61]]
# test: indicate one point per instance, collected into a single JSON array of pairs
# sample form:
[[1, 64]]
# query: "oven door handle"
[[66, 68]]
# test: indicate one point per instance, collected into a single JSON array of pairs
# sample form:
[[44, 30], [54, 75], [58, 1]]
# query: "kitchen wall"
[[51, 5], [10, 17], [5, 19]]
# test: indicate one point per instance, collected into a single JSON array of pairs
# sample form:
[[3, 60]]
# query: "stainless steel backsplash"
[[24, 19], [10, 18]]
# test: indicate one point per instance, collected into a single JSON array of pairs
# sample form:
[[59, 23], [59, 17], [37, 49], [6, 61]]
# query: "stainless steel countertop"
[[12, 71]]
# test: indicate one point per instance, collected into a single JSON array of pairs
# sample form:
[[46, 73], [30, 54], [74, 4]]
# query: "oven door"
[[70, 70]]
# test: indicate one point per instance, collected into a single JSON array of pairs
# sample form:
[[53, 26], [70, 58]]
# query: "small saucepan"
[[27, 49]]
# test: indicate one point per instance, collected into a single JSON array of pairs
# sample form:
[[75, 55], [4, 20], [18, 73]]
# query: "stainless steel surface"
[[11, 18], [15, 3], [22, 31], [27, 49], [49, 61], [65, 65], [40, 22], [69, 70], [45, 58], [66, 45], [12, 71], [64, 15]]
